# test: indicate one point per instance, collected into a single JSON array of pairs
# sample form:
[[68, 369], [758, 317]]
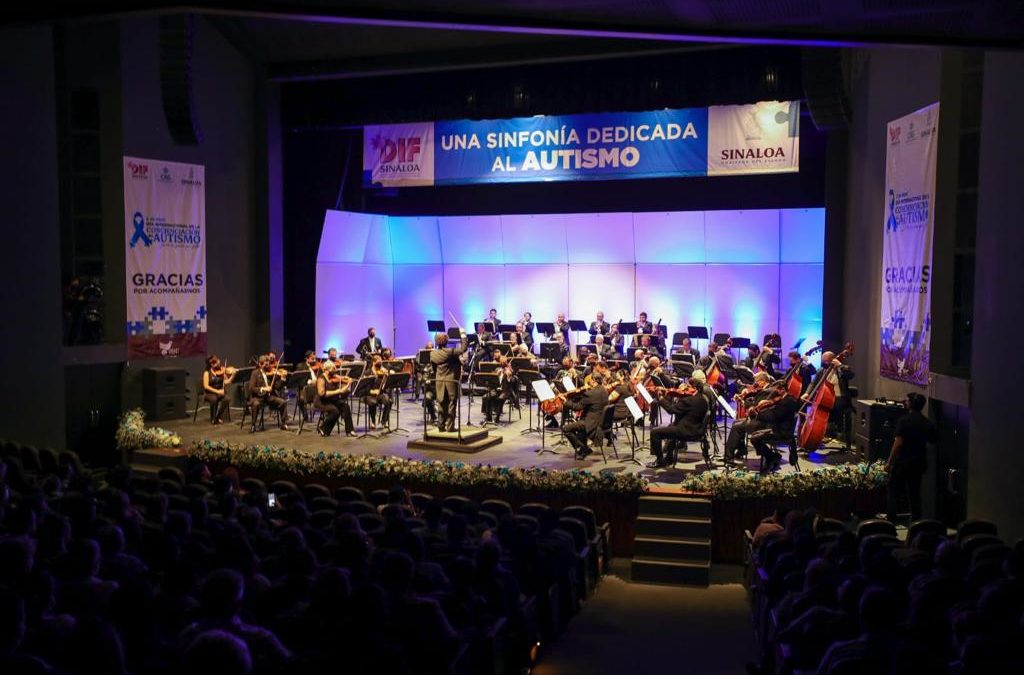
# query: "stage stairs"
[[672, 544], [151, 460]]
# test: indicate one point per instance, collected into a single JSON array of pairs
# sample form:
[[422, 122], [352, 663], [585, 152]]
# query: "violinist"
[[618, 395], [748, 397], [264, 389], [658, 376], [377, 395], [569, 370], [369, 345], [332, 392], [307, 392], [215, 379], [332, 356], [688, 407], [591, 404], [775, 413], [494, 399]]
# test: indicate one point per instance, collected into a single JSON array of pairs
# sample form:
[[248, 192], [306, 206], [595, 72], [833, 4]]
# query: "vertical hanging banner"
[[165, 258], [907, 250]]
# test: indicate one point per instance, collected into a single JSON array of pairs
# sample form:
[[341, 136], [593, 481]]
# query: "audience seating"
[[833, 598], [126, 573]]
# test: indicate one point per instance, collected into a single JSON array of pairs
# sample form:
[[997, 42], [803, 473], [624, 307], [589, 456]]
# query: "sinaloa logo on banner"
[[399, 154], [757, 138]]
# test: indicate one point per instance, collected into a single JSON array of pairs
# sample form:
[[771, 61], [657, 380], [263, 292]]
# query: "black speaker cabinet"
[[874, 427], [163, 393]]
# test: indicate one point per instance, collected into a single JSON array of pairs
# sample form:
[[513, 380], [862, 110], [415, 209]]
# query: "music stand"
[[697, 333], [544, 392], [506, 328], [503, 348], [546, 328], [551, 351], [454, 333], [360, 392], [627, 328], [577, 326], [395, 381], [721, 338], [520, 363], [528, 377]]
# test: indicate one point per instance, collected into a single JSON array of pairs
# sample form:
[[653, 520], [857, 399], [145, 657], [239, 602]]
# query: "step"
[[160, 457], [664, 526], [673, 548], [681, 507], [659, 571]]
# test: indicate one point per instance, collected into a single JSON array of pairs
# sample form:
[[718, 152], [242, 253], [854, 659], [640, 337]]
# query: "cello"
[[820, 401], [794, 381], [714, 374]]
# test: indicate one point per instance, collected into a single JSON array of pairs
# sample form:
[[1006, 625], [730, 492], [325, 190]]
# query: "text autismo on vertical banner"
[[165, 258], [912, 146]]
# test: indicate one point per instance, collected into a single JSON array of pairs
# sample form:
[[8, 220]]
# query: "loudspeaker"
[[874, 427], [177, 39], [822, 75], [163, 393]]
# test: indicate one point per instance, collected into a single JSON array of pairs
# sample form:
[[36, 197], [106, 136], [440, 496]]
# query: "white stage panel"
[[669, 237], [599, 237], [803, 235], [742, 236], [419, 295], [471, 240], [676, 294], [743, 300], [542, 290], [414, 240], [533, 239], [471, 290], [608, 288], [349, 299]]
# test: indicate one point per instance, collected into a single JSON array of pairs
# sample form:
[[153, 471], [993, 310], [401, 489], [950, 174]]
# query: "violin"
[[776, 396], [223, 370], [678, 392], [745, 393]]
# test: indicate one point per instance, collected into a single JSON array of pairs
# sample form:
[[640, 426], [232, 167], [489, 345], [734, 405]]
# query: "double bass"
[[820, 401], [714, 375]]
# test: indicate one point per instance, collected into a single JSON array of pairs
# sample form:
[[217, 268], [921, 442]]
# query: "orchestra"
[[598, 376]]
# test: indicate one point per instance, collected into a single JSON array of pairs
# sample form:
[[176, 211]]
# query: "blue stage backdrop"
[[746, 273]]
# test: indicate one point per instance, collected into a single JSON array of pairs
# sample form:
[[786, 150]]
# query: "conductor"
[[447, 373]]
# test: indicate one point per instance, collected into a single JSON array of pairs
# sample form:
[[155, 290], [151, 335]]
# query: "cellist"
[[798, 377]]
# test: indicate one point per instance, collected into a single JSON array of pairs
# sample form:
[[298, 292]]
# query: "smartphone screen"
[[272, 501]]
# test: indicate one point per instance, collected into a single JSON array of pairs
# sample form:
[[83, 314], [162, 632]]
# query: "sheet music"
[[729, 410], [543, 390], [643, 392], [634, 409], [567, 383]]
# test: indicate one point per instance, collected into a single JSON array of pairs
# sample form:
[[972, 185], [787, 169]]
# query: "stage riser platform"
[[450, 446], [671, 572]]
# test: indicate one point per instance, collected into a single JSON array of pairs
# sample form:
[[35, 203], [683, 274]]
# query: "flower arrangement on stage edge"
[[337, 465], [132, 433], [746, 484]]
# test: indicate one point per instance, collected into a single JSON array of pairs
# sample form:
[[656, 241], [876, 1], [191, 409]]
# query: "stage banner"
[[165, 258], [757, 138], [907, 249], [601, 146]]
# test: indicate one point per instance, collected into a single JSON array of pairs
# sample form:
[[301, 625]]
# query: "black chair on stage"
[[246, 411], [774, 439], [201, 401], [316, 414], [608, 432], [628, 424]]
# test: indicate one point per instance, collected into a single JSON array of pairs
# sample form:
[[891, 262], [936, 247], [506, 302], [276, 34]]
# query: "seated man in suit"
[[648, 344], [689, 411], [603, 349], [591, 405], [599, 326]]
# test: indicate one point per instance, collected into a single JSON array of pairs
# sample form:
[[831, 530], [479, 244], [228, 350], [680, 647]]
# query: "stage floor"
[[516, 449]]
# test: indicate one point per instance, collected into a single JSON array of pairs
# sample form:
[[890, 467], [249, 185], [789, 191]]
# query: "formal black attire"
[[307, 392], [367, 346], [806, 373], [644, 328], [911, 462], [687, 424], [779, 418], [606, 351], [493, 400], [592, 404], [621, 410], [332, 407], [272, 399], [600, 327], [218, 402], [447, 376]]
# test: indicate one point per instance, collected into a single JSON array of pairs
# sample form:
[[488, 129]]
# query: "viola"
[[744, 394], [821, 399], [679, 392], [775, 397], [221, 371]]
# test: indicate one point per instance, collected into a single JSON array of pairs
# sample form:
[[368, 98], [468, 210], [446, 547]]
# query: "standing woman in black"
[[214, 387]]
